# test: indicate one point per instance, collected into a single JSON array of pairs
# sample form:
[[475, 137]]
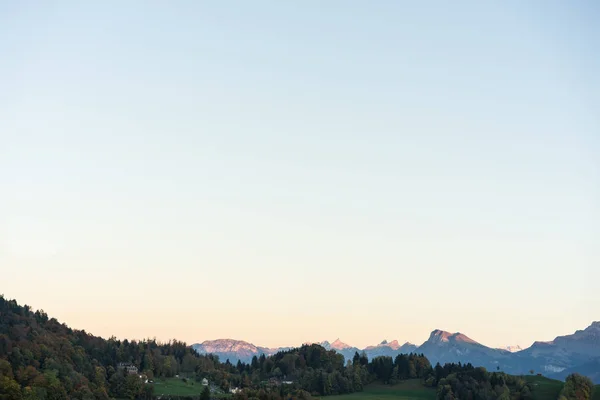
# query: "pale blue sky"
[[353, 169]]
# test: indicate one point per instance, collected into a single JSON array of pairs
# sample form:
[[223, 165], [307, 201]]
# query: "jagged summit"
[[440, 336], [339, 345]]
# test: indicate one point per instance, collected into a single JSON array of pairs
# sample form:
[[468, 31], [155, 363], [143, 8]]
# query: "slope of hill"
[[41, 358], [544, 388], [409, 390]]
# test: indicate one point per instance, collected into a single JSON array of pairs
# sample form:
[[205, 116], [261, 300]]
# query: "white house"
[[204, 382], [235, 390]]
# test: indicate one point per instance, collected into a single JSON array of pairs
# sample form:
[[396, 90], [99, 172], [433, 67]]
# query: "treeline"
[[457, 381], [577, 387], [318, 371], [465, 382]]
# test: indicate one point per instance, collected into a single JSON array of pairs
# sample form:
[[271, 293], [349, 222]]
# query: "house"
[[235, 390], [287, 382], [204, 382], [130, 368]]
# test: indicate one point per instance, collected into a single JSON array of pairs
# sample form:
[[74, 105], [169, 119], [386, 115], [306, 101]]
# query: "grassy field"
[[177, 387], [409, 390], [544, 388]]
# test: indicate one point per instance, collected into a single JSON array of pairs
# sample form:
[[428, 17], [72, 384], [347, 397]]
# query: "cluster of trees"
[[457, 381], [313, 370], [404, 366], [577, 387]]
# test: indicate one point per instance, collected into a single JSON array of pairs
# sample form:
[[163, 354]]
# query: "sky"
[[283, 172]]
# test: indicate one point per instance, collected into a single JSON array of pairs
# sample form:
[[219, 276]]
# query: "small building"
[[235, 390], [130, 368], [204, 382]]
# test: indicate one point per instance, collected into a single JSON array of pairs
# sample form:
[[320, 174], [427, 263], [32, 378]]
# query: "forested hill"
[[40, 358], [44, 359]]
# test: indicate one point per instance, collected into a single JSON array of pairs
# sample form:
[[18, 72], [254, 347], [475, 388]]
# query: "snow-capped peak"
[[512, 349]]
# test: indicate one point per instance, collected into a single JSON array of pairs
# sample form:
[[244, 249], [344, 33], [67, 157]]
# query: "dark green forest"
[[40, 358]]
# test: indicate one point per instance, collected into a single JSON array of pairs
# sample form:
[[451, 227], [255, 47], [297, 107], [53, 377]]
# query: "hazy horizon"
[[283, 172], [258, 343]]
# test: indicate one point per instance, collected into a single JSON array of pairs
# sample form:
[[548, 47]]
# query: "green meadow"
[[409, 390]]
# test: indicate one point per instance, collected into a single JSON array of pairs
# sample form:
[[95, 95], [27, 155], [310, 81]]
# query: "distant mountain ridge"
[[234, 350], [565, 353], [578, 352]]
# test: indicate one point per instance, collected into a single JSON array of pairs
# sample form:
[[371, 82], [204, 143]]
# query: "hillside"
[[542, 389], [40, 358]]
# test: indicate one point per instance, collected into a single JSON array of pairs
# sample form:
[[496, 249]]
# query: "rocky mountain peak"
[[438, 336], [339, 345], [595, 326]]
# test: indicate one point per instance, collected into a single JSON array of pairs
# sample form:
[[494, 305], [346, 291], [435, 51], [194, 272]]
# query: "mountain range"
[[578, 352]]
